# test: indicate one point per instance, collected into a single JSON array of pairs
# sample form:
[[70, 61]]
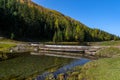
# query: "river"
[[24, 65], [64, 69]]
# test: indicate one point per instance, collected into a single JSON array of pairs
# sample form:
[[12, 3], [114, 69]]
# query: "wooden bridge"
[[65, 50], [59, 50]]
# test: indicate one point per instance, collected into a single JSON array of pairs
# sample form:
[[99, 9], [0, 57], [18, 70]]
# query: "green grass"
[[103, 69], [4, 47], [104, 43], [6, 44], [108, 52], [28, 66], [110, 43]]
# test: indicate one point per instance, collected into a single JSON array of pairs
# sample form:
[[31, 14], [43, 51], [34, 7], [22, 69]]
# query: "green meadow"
[[107, 67]]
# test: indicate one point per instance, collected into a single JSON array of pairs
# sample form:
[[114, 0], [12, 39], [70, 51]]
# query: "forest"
[[25, 20]]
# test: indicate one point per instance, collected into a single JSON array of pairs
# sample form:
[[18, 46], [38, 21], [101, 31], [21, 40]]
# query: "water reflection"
[[63, 69], [23, 65]]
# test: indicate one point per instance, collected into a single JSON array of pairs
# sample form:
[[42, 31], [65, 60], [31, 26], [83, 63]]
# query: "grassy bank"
[[108, 52], [104, 43], [6, 44], [105, 68], [4, 47]]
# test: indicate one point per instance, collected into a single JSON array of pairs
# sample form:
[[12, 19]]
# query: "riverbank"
[[102, 69], [105, 68]]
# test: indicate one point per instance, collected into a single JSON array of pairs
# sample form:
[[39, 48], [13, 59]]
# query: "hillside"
[[25, 20]]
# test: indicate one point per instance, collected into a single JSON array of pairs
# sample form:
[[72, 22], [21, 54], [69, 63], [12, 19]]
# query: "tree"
[[55, 37], [79, 36], [58, 37], [67, 33], [56, 23], [12, 36]]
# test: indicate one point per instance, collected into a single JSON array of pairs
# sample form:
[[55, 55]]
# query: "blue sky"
[[102, 14]]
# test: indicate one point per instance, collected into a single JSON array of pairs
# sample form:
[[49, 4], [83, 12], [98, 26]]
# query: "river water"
[[24, 64], [63, 69]]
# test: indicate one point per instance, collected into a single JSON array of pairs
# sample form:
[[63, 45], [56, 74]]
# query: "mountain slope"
[[23, 19]]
